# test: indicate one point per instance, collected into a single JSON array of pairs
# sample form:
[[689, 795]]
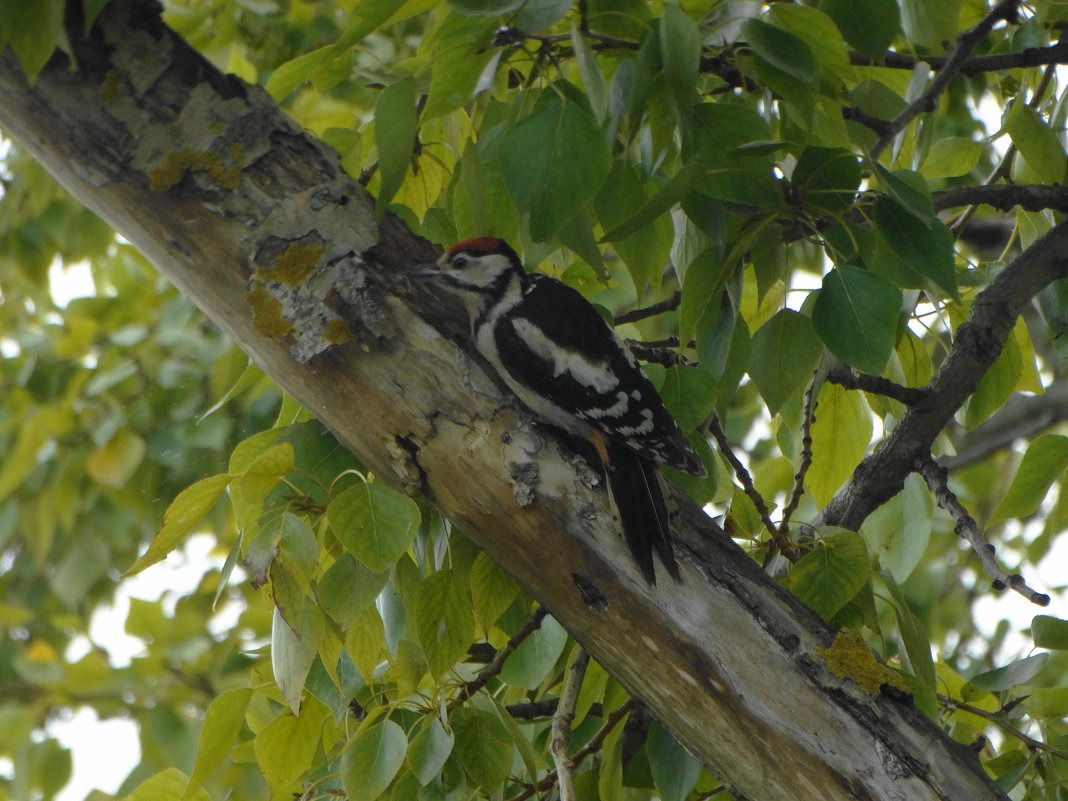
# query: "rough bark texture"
[[254, 221]]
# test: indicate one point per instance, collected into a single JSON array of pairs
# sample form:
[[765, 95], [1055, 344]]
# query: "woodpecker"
[[566, 364]]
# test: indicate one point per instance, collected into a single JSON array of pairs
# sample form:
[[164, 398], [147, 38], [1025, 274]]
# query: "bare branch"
[[560, 743], [966, 42], [978, 342], [968, 529], [494, 668], [851, 379], [1022, 59], [805, 461], [670, 304]]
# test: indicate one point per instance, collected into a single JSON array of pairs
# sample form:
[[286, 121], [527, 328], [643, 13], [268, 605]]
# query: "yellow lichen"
[[849, 657], [295, 263], [267, 313], [337, 332], [178, 162]]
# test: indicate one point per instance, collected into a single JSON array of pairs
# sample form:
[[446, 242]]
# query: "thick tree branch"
[[1004, 197], [978, 342]]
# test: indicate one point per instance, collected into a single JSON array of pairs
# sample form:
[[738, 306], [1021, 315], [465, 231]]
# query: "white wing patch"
[[593, 374]]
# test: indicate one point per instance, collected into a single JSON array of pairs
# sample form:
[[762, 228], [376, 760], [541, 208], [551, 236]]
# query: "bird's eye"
[[459, 262]]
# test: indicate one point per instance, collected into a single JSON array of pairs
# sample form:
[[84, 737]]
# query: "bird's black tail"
[[638, 496]]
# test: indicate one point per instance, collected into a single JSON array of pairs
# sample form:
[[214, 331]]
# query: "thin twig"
[[746, 480], [966, 42], [634, 315], [804, 462], [493, 668], [993, 717], [968, 529], [560, 742], [593, 745], [851, 379]]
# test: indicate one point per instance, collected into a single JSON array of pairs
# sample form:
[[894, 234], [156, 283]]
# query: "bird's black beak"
[[430, 270]]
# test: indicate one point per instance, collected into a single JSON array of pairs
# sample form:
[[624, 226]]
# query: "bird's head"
[[477, 271]]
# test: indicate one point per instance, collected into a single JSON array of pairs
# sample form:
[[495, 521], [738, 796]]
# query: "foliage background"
[[745, 144]]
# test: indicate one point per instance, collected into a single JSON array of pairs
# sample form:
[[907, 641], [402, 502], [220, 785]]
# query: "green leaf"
[[486, 8], [898, 531], [781, 49], [856, 316], [645, 251], [365, 638], [827, 178], [553, 163], [347, 588], [371, 760], [674, 770], [482, 747], [690, 395], [395, 128], [181, 517], [298, 550], [364, 18], [32, 30], [285, 747], [492, 591], [461, 51], [828, 577], [909, 189], [702, 291], [222, 723], [1050, 632], [1042, 465], [590, 72], [868, 25], [429, 749], [952, 156], [819, 32], [293, 651], [996, 386], [444, 620], [678, 186], [374, 523], [531, 662], [1036, 141], [1003, 678], [167, 785], [840, 437], [680, 50], [916, 641], [785, 352], [926, 248]]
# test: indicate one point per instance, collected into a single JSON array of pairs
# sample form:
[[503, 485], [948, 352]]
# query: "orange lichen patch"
[[337, 332], [295, 263], [849, 657], [178, 162], [267, 313]]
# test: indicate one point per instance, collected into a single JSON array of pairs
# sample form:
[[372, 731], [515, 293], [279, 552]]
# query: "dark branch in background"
[[1020, 418], [877, 124], [1004, 197], [966, 42], [850, 379], [494, 667], [998, 719], [1023, 59], [968, 530], [978, 342]]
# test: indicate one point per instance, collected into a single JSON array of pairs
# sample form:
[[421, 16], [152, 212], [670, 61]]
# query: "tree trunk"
[[254, 221]]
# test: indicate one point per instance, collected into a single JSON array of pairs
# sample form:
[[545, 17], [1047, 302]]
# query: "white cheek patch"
[[595, 375]]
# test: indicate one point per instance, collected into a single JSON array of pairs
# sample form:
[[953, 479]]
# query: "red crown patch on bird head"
[[479, 244]]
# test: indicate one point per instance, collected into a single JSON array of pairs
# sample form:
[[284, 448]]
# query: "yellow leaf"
[[115, 462]]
